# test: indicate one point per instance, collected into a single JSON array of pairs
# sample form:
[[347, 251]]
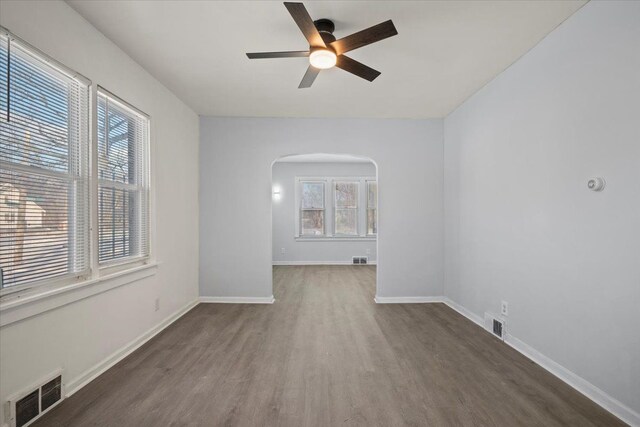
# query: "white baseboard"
[[617, 408], [466, 313], [92, 373], [407, 300], [319, 263], [238, 300], [583, 386]]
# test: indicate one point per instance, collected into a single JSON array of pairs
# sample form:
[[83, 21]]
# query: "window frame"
[[16, 291], [329, 216], [335, 207], [61, 290], [123, 263], [299, 209]]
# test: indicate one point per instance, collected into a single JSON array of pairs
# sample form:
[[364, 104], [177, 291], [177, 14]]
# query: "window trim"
[[330, 209], [118, 264], [298, 206], [31, 303], [40, 55], [71, 287]]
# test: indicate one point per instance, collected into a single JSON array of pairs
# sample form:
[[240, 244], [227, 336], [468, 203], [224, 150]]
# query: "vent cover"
[[495, 325], [26, 407], [360, 260], [497, 328]]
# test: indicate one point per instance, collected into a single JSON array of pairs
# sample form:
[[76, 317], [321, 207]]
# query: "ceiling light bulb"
[[322, 59]]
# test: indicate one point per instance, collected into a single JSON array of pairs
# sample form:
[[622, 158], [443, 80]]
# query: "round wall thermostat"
[[596, 184]]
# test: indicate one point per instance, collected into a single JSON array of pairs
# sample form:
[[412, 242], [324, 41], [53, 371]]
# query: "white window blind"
[[44, 166], [346, 208], [372, 207], [312, 208], [123, 181]]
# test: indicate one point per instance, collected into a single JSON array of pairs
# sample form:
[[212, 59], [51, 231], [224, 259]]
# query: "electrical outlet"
[[283, 251], [504, 308], [157, 304]]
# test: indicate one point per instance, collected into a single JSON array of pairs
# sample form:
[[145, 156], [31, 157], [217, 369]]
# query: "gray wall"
[[235, 197], [284, 216], [521, 225]]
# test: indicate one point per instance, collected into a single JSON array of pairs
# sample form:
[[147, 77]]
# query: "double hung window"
[[123, 184], [346, 208], [56, 180], [312, 211], [44, 169]]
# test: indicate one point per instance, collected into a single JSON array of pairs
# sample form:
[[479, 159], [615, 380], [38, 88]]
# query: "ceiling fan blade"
[[365, 37], [357, 68], [309, 77], [301, 16], [267, 55]]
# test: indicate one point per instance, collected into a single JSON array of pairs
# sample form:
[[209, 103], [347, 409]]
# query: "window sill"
[[336, 239], [23, 305], [122, 265]]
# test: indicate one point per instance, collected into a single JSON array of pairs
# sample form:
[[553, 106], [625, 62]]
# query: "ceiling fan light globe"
[[322, 59]]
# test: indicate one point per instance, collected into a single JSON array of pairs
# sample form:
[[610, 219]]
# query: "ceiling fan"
[[324, 50]]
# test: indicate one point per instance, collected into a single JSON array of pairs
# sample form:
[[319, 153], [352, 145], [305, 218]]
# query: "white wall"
[[235, 198], [284, 215], [521, 225], [80, 335]]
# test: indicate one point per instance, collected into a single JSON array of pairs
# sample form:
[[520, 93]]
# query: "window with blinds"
[[123, 181], [44, 168]]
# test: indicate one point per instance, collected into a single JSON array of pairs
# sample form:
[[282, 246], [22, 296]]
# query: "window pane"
[[312, 222], [312, 195], [346, 221], [346, 195], [4, 43], [117, 148], [44, 146], [372, 189], [122, 186], [37, 133], [34, 238], [372, 221], [372, 211], [118, 235]]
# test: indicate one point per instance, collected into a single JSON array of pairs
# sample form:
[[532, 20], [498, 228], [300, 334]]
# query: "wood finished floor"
[[326, 355]]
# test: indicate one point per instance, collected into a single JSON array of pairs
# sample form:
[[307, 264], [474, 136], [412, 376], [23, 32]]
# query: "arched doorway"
[[325, 213]]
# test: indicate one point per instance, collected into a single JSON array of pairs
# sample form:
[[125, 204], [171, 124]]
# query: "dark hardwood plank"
[[325, 354]]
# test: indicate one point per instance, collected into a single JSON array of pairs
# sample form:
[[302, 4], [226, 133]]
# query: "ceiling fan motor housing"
[[325, 27]]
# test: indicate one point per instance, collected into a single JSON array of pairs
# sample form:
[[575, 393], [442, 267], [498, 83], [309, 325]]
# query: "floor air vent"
[[495, 325], [360, 260], [26, 407]]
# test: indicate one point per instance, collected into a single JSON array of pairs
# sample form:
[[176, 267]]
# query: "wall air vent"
[[495, 325], [360, 260], [26, 407]]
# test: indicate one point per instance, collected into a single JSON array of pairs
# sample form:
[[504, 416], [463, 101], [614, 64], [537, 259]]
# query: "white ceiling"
[[445, 51]]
